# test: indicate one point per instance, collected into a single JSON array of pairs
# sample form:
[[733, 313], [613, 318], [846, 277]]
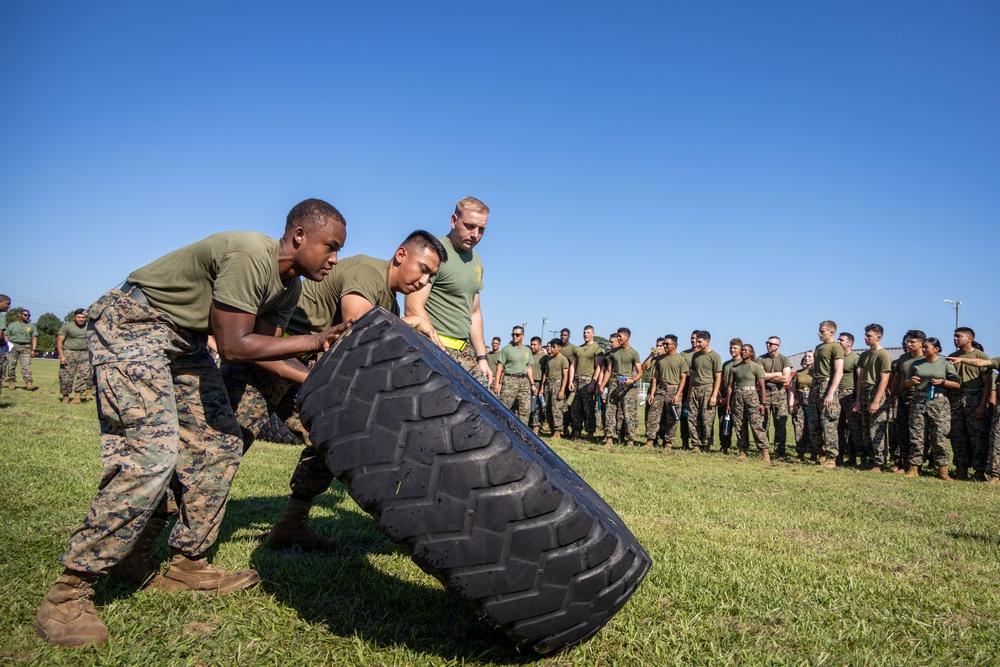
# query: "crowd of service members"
[[863, 410]]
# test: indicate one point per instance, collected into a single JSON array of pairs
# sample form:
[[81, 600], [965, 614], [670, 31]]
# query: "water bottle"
[[673, 409], [684, 410], [541, 401], [930, 392], [726, 424]]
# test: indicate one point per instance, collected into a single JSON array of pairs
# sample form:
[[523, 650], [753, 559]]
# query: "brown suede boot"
[[76, 399], [292, 530], [137, 569], [992, 480], [196, 574], [767, 456], [650, 443], [943, 473], [65, 400], [87, 395], [67, 617], [31, 387], [913, 471], [557, 435], [534, 429]]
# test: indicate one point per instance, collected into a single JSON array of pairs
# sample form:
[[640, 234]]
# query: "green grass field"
[[752, 565]]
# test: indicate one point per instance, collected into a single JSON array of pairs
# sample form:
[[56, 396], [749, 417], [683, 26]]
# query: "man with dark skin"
[[168, 432]]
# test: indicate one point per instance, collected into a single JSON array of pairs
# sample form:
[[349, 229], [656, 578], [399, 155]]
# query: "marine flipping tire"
[[479, 501]]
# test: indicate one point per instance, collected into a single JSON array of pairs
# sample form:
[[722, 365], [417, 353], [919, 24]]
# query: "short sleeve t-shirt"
[[903, 366], [536, 366], [319, 306], [704, 366], [515, 359], [453, 291], [825, 355], [238, 269], [569, 351], [554, 369], [850, 365], [873, 364], [775, 364], [746, 374], [21, 333], [971, 376], [669, 368], [75, 338], [623, 362], [803, 380], [586, 359], [929, 370]]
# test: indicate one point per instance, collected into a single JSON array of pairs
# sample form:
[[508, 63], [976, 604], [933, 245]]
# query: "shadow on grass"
[[369, 588], [978, 537]]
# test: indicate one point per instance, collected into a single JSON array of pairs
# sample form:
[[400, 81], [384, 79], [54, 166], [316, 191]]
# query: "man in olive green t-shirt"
[[452, 304], [666, 387], [849, 438], [875, 367], [969, 424], [75, 372], [23, 336], [167, 428], [493, 355], [624, 371], [913, 343], [586, 359], [706, 383], [515, 379], [555, 384], [824, 405], [777, 376]]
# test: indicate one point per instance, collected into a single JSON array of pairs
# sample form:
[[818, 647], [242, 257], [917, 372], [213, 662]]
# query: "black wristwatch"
[[481, 357]]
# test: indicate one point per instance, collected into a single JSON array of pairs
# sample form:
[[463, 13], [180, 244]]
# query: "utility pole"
[[545, 320], [957, 305]]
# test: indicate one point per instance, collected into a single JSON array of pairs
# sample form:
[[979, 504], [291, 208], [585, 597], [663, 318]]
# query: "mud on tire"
[[479, 501]]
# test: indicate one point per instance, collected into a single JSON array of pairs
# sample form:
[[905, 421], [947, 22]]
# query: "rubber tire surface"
[[274, 430], [479, 501]]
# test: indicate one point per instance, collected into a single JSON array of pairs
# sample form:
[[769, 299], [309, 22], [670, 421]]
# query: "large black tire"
[[479, 501]]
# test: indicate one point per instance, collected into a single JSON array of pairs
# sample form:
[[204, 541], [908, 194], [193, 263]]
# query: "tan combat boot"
[[89, 394], [742, 456], [292, 530], [650, 443], [943, 473], [76, 399], [767, 456], [557, 435], [534, 429], [913, 471], [992, 480], [65, 400], [31, 387], [137, 569], [67, 617], [196, 574]]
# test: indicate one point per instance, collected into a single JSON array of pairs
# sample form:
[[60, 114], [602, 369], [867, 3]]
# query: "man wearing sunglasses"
[[515, 380]]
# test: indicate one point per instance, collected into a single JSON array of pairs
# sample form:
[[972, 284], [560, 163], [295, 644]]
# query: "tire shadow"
[[352, 593]]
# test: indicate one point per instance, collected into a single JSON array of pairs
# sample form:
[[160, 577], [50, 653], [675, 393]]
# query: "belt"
[[970, 390], [134, 292], [515, 375], [748, 387], [775, 387], [452, 343]]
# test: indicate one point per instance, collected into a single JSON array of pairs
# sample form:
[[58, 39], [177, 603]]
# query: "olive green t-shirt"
[[803, 379], [704, 366], [850, 365], [75, 337], [970, 376], [569, 351], [623, 362], [3, 321], [903, 366], [928, 370], [586, 359], [319, 306], [746, 374], [238, 269], [515, 359], [554, 369], [727, 371], [873, 363], [775, 364], [825, 355], [453, 291], [669, 368], [536, 366], [21, 333]]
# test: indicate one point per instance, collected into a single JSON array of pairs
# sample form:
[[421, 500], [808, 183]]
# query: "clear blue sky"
[[749, 168]]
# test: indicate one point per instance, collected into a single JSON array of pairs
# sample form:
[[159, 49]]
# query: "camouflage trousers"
[[901, 422], [515, 394], [583, 411], [725, 439], [874, 427], [537, 416], [800, 425], [660, 420], [623, 412], [746, 417], [20, 353], [776, 411], [701, 416], [969, 436], [467, 360], [849, 432], [77, 375], [554, 406], [993, 454], [823, 437], [168, 435], [934, 416]]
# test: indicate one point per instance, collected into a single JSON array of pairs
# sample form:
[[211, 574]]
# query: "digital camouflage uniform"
[[537, 416], [875, 364], [169, 439], [515, 389], [849, 435], [555, 406], [776, 406], [823, 421], [660, 420], [800, 416], [899, 426], [722, 404], [19, 335], [969, 436], [623, 417], [746, 416], [701, 413], [930, 418], [77, 375], [583, 410]]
